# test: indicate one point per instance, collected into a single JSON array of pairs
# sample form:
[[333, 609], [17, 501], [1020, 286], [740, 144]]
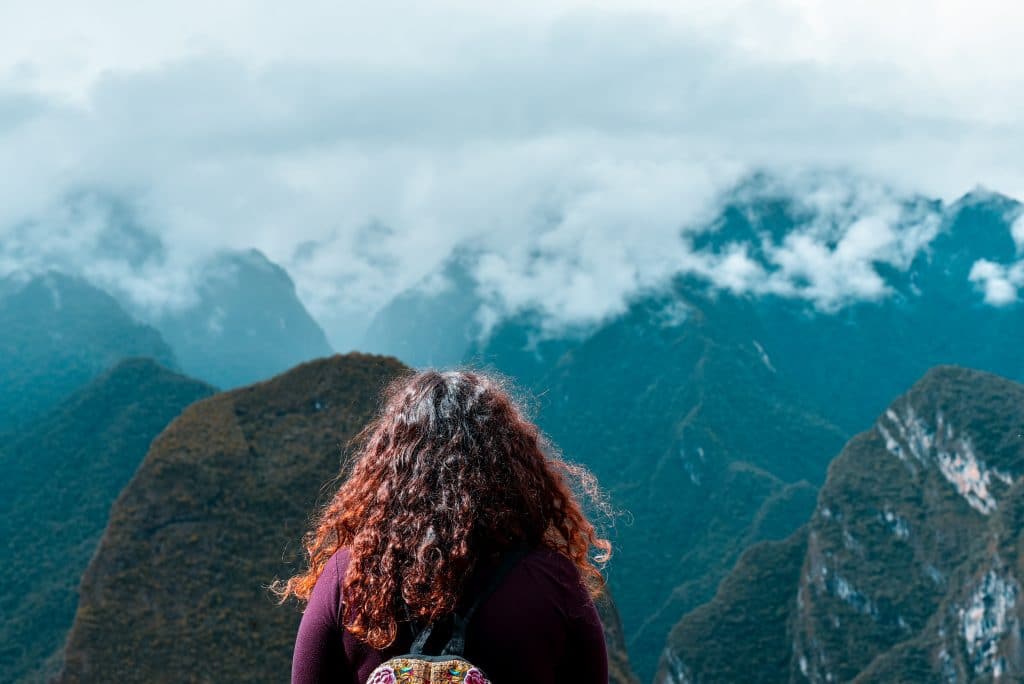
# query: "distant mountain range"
[[233, 317], [909, 569], [432, 324], [177, 589]]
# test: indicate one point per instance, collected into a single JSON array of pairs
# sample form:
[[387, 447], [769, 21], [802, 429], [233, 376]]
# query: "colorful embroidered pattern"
[[412, 670]]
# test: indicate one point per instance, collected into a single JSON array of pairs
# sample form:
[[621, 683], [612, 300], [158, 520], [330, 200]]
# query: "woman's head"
[[449, 470]]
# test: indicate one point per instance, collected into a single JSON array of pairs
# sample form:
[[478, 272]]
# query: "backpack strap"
[[421, 640], [457, 643]]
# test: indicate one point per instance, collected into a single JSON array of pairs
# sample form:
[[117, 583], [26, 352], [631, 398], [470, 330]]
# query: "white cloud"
[[999, 283], [359, 144], [1017, 230]]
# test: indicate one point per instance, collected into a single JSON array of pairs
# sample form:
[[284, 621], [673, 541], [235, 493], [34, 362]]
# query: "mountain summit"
[[246, 324]]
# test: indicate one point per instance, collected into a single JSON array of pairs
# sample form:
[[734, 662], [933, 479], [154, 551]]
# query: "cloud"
[[1017, 230], [999, 282], [358, 146]]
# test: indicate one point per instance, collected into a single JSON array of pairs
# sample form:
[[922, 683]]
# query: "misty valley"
[[816, 476]]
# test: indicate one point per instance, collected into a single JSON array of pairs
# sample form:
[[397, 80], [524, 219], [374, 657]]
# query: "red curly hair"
[[449, 471]]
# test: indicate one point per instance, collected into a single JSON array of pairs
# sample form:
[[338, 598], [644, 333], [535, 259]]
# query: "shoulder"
[[557, 577], [554, 562], [337, 565], [327, 594]]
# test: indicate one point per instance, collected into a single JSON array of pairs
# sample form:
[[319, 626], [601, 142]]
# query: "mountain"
[[57, 333], [907, 571], [61, 474], [246, 324], [432, 324], [616, 394], [852, 361], [743, 633], [177, 590]]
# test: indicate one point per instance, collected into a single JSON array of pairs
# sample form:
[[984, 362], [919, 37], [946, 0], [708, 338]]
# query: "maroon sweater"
[[539, 626]]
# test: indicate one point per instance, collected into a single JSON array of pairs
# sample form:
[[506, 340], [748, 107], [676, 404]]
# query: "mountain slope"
[[177, 589], [912, 558], [57, 333], [743, 633], [61, 476]]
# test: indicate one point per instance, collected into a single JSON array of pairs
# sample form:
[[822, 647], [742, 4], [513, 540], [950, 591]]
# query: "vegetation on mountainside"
[[742, 634], [62, 473], [911, 565]]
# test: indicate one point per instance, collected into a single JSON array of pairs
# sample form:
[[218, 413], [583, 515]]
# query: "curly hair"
[[449, 471]]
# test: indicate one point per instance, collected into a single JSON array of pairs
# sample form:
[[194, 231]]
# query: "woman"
[[450, 478]]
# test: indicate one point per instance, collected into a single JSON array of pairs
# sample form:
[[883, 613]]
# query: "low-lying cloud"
[[574, 147]]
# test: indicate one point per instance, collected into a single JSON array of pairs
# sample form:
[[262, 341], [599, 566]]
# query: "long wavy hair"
[[449, 471]]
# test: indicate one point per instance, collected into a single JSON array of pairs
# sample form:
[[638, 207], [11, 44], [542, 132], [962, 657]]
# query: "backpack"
[[448, 667]]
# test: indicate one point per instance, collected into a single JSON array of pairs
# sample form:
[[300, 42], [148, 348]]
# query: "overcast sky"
[[358, 143]]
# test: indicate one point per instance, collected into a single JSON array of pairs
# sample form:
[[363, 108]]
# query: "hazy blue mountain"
[[61, 475], [247, 325], [57, 333], [853, 361], [432, 324], [908, 570], [244, 322]]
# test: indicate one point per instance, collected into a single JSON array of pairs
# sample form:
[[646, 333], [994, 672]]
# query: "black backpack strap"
[[457, 642], [421, 640]]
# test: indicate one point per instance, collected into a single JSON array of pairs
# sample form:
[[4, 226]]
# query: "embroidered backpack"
[[449, 666]]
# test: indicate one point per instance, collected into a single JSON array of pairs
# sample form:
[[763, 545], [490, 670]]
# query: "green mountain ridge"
[[61, 475], [691, 431]]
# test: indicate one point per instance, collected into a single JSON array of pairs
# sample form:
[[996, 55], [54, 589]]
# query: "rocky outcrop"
[[911, 566]]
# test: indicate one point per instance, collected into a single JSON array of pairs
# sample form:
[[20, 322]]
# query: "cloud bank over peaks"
[[571, 143], [815, 235], [836, 229]]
